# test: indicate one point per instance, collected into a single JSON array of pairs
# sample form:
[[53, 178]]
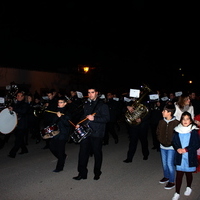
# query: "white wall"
[[36, 79]]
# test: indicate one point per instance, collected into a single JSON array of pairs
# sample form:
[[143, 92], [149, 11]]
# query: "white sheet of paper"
[[177, 94], [134, 93], [153, 97], [45, 97], [102, 96], [164, 98], [127, 99], [116, 99], [79, 94], [2, 100]]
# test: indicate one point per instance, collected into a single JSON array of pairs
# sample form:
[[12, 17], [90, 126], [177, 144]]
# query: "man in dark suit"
[[94, 141]]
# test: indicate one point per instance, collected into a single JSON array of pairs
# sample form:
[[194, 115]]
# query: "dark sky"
[[134, 39]]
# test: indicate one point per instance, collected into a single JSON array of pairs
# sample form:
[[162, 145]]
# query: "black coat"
[[48, 116], [62, 123], [21, 108], [102, 116], [114, 109]]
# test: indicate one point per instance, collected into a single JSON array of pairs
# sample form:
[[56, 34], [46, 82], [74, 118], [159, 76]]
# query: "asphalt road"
[[30, 177]]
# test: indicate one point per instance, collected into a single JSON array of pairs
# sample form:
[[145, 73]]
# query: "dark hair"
[[93, 87], [170, 108], [62, 98], [186, 113]]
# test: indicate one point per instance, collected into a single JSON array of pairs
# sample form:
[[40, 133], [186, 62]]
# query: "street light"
[[83, 68], [86, 69]]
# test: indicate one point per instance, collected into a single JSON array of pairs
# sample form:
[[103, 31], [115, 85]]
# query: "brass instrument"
[[38, 111], [140, 110]]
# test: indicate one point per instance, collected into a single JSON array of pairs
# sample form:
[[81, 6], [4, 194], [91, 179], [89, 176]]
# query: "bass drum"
[[8, 121]]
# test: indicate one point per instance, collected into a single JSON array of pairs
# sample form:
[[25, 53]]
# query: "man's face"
[[109, 95], [92, 94], [20, 96], [50, 96]]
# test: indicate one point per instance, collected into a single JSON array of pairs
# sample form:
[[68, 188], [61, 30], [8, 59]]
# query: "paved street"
[[30, 177]]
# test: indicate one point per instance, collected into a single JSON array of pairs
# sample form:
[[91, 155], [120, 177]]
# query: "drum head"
[[8, 121]]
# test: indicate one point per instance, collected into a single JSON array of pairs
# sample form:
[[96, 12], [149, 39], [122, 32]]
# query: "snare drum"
[[81, 133], [49, 131]]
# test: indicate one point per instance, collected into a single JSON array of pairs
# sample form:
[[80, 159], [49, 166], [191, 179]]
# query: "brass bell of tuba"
[[140, 110]]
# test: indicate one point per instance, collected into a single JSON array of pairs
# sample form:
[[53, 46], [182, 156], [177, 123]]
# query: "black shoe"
[[23, 152], [79, 177], [57, 170], [45, 147], [154, 147], [116, 140], [145, 158], [97, 177], [127, 161], [158, 150], [37, 141], [11, 156]]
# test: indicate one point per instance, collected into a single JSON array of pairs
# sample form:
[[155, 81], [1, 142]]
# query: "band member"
[[75, 105], [31, 117], [38, 113], [21, 108], [58, 142], [48, 117], [94, 141], [138, 131], [114, 109]]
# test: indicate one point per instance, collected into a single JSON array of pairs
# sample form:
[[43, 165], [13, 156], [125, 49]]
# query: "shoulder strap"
[[98, 100]]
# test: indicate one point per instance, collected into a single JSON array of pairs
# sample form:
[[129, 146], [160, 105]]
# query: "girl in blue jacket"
[[185, 142]]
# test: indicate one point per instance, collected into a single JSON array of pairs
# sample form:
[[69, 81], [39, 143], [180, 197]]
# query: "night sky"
[[134, 40]]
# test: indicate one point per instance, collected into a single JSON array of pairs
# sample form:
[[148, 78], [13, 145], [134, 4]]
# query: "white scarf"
[[185, 129]]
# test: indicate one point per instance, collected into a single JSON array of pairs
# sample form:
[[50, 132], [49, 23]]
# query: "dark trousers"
[[156, 143], [88, 145], [57, 147], [138, 132], [110, 129], [179, 178], [19, 142]]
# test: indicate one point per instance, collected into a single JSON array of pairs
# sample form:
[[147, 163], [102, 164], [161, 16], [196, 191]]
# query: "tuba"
[[140, 110]]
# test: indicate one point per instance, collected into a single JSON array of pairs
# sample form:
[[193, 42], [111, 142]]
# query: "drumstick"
[[85, 118], [61, 114], [72, 123], [52, 112]]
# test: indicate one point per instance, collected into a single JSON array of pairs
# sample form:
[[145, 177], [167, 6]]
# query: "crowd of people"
[[172, 119]]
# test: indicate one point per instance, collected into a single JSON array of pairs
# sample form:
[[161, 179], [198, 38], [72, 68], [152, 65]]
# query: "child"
[[197, 121], [58, 142], [165, 131], [185, 142]]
